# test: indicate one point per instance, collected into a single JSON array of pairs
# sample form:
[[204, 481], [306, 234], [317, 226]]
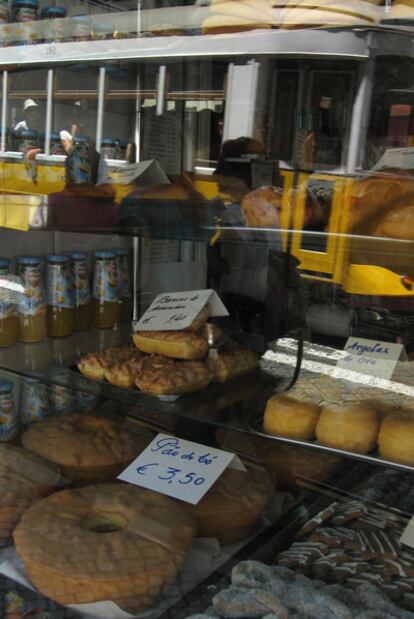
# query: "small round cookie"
[[104, 542], [87, 448], [233, 506], [24, 477], [352, 428], [285, 416], [396, 438]]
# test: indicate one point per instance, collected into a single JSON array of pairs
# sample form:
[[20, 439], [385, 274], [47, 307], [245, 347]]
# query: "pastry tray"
[[257, 384], [255, 426]]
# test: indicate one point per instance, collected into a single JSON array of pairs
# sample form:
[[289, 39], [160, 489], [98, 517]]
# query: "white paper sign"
[[173, 311], [407, 537], [145, 173], [371, 356], [181, 469]]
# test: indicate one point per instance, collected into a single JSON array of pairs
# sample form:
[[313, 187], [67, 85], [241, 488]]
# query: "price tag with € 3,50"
[[181, 469]]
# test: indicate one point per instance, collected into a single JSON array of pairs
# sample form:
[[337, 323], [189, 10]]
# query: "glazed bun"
[[285, 416], [351, 428], [398, 223], [396, 438]]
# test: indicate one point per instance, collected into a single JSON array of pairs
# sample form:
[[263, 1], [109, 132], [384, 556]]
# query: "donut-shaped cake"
[[87, 448], [104, 542], [24, 477], [233, 506]]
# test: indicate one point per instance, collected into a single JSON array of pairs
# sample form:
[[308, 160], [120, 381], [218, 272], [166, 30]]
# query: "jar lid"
[[55, 136], [77, 255], [105, 253], [29, 259], [53, 11], [109, 141], [26, 133], [103, 28], [29, 3], [4, 262], [28, 379], [83, 18], [5, 386], [57, 258], [121, 252]]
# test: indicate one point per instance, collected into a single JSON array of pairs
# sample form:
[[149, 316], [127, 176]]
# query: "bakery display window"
[[206, 310]]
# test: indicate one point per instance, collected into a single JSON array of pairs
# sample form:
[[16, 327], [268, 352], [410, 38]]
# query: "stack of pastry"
[[241, 15], [171, 362]]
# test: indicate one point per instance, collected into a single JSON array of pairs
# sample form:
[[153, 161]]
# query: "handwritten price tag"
[[178, 468], [371, 357], [176, 310]]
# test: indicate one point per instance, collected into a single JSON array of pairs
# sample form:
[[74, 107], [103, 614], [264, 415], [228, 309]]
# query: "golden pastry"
[[396, 438], [352, 428], [176, 344], [94, 364], [162, 376], [288, 417]]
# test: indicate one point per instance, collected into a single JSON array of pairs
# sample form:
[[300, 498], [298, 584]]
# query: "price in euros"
[[172, 474]]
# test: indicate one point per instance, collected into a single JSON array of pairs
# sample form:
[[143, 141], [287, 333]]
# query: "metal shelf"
[[333, 43]]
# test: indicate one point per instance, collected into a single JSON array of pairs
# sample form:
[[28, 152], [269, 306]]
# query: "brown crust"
[[175, 344], [162, 376], [70, 561], [124, 373], [24, 476], [94, 364], [229, 363], [85, 445], [233, 505]]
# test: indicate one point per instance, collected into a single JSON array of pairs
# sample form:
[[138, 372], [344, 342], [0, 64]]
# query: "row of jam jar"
[[66, 303], [38, 400], [79, 28]]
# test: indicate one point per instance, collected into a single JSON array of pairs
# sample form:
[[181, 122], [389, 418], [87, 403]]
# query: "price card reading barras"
[[181, 469]]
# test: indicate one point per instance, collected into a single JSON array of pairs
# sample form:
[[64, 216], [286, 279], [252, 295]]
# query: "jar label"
[[79, 168], [34, 402], [109, 152], [8, 421], [59, 286], [105, 284], [32, 301], [81, 286], [85, 402], [124, 279], [62, 400]]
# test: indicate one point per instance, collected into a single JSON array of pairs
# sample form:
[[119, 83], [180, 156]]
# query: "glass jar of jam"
[[8, 418], [56, 146], [4, 11], [125, 296], [55, 31], [81, 28], [9, 325], [34, 401], [81, 290], [60, 312], [24, 12], [109, 148], [61, 395], [25, 140], [78, 166], [31, 308], [105, 301]]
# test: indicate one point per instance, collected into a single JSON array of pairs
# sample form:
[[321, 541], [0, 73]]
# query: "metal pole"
[[101, 106], [135, 288], [360, 116], [49, 110], [4, 111], [161, 90]]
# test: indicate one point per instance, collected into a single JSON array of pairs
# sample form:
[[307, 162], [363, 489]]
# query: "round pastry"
[[285, 416], [87, 448], [261, 207], [105, 542], [233, 506], [175, 344], [24, 477], [396, 438], [352, 428], [397, 223]]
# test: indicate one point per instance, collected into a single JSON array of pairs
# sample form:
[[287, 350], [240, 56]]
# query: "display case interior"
[[238, 174]]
